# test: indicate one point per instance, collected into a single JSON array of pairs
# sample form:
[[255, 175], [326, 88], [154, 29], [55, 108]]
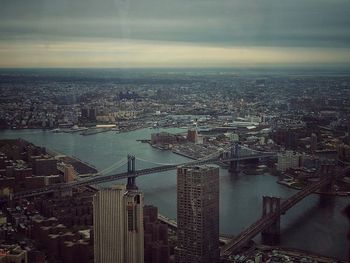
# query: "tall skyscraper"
[[118, 225], [197, 215]]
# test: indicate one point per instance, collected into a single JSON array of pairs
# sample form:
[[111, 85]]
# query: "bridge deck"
[[264, 222], [236, 243], [124, 175]]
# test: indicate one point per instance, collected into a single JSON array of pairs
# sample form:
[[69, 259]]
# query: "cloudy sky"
[[174, 33]]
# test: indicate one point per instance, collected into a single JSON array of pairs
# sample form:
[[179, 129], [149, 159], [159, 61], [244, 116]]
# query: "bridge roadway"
[[97, 179], [264, 222], [162, 168]]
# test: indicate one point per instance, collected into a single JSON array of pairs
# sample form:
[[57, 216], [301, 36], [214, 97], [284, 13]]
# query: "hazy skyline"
[[163, 33]]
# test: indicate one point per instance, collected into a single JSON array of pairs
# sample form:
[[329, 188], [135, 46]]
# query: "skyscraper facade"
[[118, 225], [197, 215]]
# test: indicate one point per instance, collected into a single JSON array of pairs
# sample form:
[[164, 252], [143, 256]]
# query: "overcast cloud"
[[312, 25]]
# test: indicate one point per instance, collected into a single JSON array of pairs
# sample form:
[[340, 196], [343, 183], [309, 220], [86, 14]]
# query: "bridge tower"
[[272, 205], [327, 169], [234, 165], [131, 185]]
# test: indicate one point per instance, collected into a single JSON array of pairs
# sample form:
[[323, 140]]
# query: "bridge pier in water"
[[271, 234], [234, 165], [131, 185], [328, 170]]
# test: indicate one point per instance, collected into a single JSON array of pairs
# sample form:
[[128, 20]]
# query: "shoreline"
[[80, 166], [178, 153]]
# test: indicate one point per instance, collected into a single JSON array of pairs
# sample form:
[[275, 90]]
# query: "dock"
[[95, 131]]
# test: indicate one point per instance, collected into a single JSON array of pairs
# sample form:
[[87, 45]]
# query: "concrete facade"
[[197, 215], [118, 226]]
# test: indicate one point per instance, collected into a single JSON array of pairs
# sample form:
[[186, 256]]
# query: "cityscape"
[[174, 131], [57, 206]]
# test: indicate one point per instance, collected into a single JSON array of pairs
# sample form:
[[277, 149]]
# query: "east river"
[[312, 224]]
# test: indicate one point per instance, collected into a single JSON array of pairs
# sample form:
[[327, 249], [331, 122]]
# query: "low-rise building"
[[13, 254], [288, 159]]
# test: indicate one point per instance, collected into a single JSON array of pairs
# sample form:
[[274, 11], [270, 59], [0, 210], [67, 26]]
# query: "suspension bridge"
[[232, 154], [273, 207]]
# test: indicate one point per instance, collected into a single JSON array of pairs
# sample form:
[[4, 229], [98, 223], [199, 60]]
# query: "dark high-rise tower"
[[197, 215]]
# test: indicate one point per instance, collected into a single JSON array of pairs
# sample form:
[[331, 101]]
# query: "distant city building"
[[128, 95], [256, 119], [85, 113], [106, 118], [287, 137], [200, 139], [288, 159], [162, 138], [13, 254], [234, 137], [313, 142], [88, 114], [92, 114], [118, 226], [344, 152], [262, 140], [3, 218], [197, 215], [71, 211], [69, 173], [16, 175], [192, 135], [59, 241], [43, 166]]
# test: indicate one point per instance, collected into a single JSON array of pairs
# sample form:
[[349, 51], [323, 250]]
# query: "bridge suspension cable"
[[210, 155], [214, 153], [257, 151], [114, 166], [149, 161]]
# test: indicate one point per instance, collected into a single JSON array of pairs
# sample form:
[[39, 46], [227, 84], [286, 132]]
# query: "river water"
[[312, 224]]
